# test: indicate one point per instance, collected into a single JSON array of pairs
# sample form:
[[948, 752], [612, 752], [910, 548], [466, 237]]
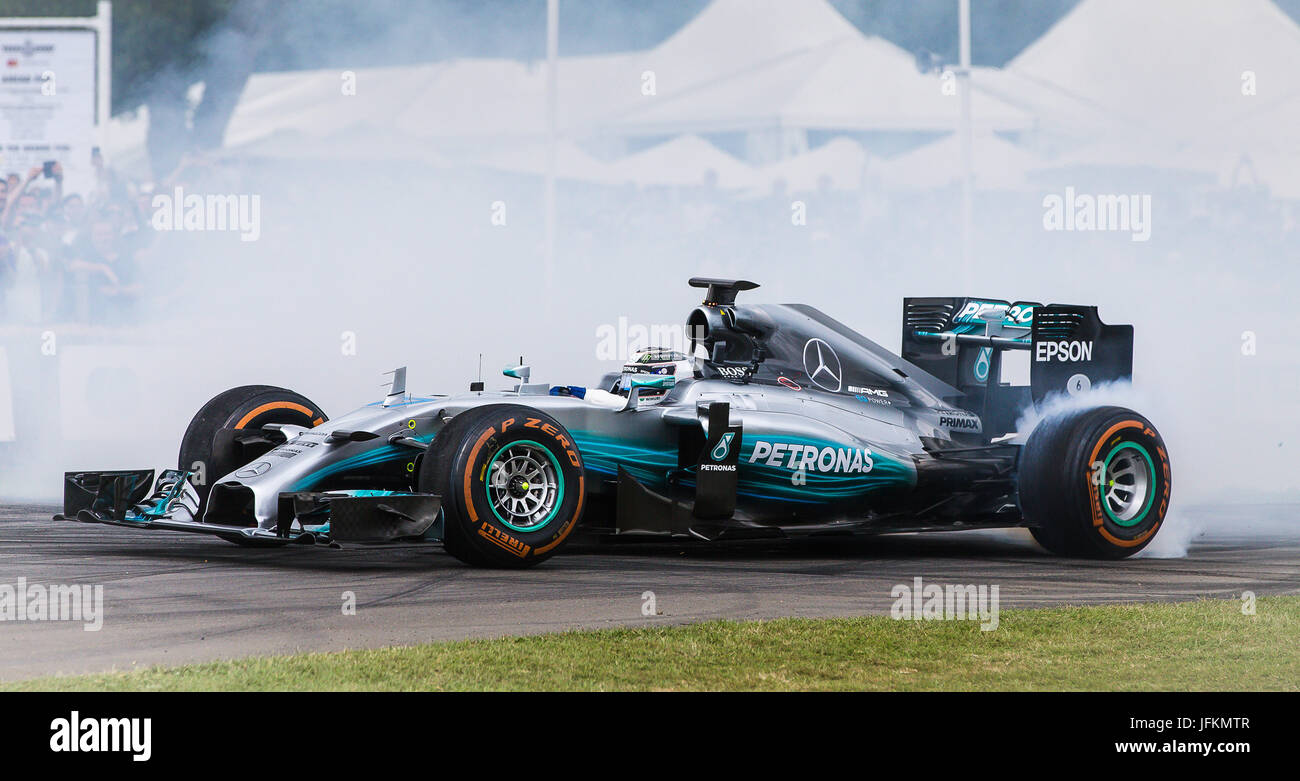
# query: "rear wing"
[[962, 341]]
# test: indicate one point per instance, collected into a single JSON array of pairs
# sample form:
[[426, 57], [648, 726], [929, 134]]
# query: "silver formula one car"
[[783, 422]]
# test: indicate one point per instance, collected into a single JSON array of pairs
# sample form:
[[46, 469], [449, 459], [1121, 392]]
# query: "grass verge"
[[1205, 645]]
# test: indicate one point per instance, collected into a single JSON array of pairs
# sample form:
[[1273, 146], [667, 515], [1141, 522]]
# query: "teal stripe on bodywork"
[[379, 455], [778, 482], [651, 465], [647, 463], [407, 403]]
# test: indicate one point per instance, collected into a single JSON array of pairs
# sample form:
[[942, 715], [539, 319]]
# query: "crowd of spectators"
[[69, 257]]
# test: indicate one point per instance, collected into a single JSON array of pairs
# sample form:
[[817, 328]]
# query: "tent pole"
[[967, 150], [552, 121], [104, 65]]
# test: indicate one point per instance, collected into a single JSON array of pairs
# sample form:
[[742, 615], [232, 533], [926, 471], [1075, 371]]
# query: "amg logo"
[[959, 421], [810, 458], [1063, 351], [881, 392]]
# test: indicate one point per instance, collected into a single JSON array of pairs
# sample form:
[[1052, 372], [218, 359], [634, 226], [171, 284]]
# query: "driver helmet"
[[659, 360]]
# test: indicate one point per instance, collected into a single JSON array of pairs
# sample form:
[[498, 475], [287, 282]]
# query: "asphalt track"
[[172, 598]]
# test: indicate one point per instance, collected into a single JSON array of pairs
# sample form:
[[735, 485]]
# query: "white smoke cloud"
[[1119, 393], [1176, 535]]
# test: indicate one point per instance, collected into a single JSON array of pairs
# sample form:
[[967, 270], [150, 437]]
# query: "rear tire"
[[247, 407], [1095, 483], [511, 482]]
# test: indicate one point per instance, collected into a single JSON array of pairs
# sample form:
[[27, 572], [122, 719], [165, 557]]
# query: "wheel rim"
[[524, 486], [1127, 491]]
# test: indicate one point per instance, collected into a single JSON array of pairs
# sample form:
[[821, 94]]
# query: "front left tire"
[[512, 485]]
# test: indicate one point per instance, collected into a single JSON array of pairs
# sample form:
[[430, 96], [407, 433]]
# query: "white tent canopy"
[[1160, 71], [571, 162], [1168, 67], [840, 164], [822, 73], [741, 65], [1128, 153], [750, 66], [685, 161], [1057, 114], [730, 37], [492, 99], [362, 142], [997, 164], [1180, 86]]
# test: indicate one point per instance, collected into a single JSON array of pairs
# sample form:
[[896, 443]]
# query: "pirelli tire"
[[247, 407], [1095, 483], [512, 485]]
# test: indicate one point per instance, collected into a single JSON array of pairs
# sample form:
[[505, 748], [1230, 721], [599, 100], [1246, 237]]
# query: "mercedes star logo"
[[258, 469], [822, 365]]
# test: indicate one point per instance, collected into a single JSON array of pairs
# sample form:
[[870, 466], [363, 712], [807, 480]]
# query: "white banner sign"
[[47, 103]]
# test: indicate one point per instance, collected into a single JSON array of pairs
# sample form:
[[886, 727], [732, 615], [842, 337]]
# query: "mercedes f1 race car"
[[780, 422]]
